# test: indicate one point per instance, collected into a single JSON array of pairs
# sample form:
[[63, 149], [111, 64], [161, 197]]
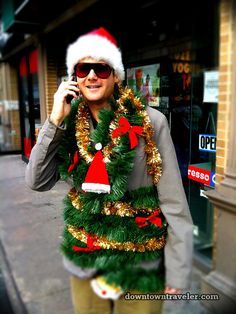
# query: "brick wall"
[[225, 79], [51, 83], [223, 114]]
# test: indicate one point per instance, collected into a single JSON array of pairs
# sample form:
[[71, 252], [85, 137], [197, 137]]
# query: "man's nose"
[[92, 74]]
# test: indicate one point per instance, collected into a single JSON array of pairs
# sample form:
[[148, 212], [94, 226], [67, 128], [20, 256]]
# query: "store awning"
[[21, 18]]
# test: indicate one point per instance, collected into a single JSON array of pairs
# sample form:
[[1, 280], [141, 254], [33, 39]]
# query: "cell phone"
[[70, 97]]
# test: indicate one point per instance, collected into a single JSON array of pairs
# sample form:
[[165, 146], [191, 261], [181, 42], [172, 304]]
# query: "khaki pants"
[[85, 301]]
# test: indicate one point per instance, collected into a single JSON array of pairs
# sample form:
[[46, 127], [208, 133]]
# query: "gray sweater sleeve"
[[179, 247], [42, 170]]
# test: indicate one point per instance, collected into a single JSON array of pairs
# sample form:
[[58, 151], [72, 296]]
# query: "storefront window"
[[29, 99], [192, 94], [187, 95], [10, 137], [146, 81], [185, 47]]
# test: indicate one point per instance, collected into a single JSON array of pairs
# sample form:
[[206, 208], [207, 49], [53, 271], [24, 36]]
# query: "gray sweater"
[[42, 174]]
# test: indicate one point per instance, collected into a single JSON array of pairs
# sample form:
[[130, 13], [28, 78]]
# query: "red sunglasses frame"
[[102, 70]]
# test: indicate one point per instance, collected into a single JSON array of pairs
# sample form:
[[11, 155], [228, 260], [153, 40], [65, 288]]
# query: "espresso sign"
[[201, 175]]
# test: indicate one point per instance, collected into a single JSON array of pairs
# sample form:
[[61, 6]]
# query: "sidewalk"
[[30, 233]]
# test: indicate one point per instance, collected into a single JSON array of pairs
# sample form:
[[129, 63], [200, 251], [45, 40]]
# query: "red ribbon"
[[75, 161], [143, 222], [90, 245], [124, 127]]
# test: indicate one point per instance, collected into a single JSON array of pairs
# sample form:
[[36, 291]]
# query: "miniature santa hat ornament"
[[96, 179], [105, 290], [98, 44]]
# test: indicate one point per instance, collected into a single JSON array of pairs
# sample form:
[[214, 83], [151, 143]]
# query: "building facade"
[[179, 55]]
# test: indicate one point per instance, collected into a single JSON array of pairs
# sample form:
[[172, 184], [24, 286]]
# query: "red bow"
[[75, 161], [124, 127], [90, 246], [143, 222]]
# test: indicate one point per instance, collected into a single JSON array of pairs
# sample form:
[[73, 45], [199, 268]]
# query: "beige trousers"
[[85, 301]]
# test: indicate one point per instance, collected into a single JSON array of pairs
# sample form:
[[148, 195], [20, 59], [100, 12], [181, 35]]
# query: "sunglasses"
[[102, 70]]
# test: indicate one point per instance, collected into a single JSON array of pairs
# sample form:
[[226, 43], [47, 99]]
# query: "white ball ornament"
[[98, 146]]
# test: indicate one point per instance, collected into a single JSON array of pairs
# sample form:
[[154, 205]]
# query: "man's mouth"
[[93, 86]]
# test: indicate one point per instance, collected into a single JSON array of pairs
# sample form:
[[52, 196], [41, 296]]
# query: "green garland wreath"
[[117, 228]]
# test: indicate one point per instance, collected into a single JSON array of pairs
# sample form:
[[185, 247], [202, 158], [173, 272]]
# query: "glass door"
[[192, 94], [201, 169]]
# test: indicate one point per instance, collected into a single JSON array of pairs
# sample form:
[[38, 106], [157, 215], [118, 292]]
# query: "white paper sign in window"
[[211, 92]]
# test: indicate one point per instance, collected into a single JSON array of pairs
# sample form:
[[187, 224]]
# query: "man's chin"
[[92, 98], [94, 101]]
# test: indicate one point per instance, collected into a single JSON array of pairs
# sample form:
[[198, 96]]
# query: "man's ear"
[[116, 78]]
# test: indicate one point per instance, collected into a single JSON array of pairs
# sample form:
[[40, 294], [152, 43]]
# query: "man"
[[126, 215]]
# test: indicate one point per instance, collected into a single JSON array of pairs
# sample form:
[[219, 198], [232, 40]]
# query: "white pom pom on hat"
[[98, 44]]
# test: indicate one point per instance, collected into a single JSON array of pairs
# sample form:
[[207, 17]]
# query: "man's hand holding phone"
[[62, 99]]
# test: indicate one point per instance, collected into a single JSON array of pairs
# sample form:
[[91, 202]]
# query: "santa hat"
[[98, 44], [96, 179], [105, 290]]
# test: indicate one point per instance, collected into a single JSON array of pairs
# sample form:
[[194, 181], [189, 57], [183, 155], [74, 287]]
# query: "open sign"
[[207, 142]]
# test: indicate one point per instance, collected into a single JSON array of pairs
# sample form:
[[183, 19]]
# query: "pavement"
[[31, 225]]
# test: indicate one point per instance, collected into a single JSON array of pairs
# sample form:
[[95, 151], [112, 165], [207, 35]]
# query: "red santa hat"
[[96, 179], [98, 44]]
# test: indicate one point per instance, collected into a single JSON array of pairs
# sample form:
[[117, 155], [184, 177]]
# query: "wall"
[[225, 81]]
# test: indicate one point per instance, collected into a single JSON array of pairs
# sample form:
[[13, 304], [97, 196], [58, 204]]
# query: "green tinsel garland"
[[113, 227], [110, 263], [135, 278], [108, 260], [118, 168]]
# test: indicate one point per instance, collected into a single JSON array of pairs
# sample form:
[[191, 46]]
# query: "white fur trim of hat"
[[98, 44]]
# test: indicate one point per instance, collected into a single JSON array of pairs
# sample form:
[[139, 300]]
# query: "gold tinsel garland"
[[152, 244], [118, 208], [83, 132]]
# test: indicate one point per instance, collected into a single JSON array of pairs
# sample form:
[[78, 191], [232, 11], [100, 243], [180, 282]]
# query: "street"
[[5, 305], [31, 227]]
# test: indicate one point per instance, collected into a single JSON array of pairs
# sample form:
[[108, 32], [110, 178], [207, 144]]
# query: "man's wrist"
[[56, 121], [171, 290]]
